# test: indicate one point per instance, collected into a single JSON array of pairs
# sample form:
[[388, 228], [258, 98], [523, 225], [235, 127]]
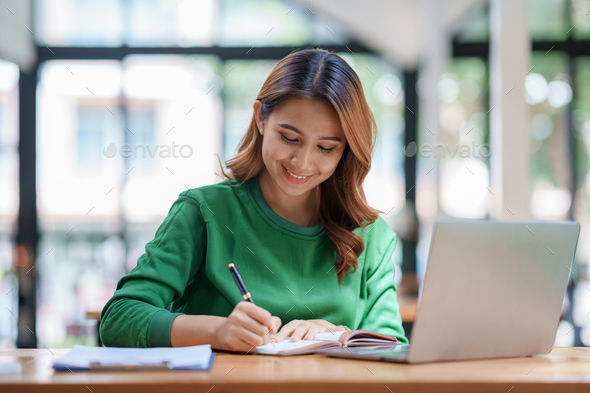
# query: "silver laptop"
[[491, 289]]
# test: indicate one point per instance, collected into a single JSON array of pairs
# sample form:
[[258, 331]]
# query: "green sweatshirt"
[[288, 268]]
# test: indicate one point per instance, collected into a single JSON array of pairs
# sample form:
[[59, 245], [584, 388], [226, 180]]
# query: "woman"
[[292, 217]]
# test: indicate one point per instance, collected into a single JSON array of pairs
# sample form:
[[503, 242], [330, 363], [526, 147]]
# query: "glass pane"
[[179, 112], [242, 80], [79, 22], [385, 184], [110, 133], [184, 23], [263, 23], [549, 93], [179, 22], [8, 146], [384, 91], [9, 190], [548, 20], [475, 26], [78, 113], [327, 31], [463, 151], [581, 117], [141, 119], [78, 197], [580, 14]]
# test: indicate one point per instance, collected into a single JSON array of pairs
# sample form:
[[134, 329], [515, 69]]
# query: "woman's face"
[[302, 145]]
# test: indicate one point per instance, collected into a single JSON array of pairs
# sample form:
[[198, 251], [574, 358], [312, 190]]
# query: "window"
[[91, 124], [549, 93], [183, 23], [109, 134], [463, 151], [9, 170]]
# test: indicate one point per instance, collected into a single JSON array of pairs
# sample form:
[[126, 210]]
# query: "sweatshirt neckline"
[[275, 218]]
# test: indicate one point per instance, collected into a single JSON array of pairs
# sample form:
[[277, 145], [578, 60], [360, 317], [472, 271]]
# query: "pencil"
[[243, 289]]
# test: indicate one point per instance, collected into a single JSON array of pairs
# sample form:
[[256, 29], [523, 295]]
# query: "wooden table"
[[563, 370]]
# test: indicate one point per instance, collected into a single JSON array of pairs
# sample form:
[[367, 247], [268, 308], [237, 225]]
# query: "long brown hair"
[[321, 75]]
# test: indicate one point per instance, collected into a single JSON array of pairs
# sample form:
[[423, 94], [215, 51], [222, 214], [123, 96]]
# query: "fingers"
[[240, 331], [257, 313], [257, 321], [260, 315], [275, 324], [297, 329], [260, 326], [253, 339], [301, 329], [253, 325], [287, 330], [239, 345], [313, 330], [318, 328]]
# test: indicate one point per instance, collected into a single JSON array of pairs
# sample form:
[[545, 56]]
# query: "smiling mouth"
[[296, 176]]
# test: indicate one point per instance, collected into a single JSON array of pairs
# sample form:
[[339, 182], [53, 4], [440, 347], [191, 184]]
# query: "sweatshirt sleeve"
[[136, 315], [382, 309]]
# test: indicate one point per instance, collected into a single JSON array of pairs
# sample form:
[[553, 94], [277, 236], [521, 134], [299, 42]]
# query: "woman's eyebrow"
[[328, 138]]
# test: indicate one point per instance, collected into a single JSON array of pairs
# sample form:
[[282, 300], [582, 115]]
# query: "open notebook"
[[349, 338]]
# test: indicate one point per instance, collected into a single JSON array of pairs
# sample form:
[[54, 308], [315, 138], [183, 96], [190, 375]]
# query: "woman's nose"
[[302, 160]]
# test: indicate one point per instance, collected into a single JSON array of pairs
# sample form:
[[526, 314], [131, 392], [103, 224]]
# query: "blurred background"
[[176, 80]]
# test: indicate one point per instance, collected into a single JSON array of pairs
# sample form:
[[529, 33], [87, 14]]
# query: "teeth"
[[295, 176]]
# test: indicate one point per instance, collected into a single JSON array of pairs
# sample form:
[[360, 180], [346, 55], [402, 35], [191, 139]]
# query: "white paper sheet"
[[80, 357], [329, 336], [285, 345]]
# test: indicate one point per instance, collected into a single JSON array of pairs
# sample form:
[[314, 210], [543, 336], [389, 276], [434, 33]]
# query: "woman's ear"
[[257, 115]]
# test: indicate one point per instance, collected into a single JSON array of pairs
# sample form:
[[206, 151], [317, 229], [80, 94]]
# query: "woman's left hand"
[[305, 329]]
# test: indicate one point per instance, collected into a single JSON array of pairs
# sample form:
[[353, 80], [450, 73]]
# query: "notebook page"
[[285, 345], [330, 336]]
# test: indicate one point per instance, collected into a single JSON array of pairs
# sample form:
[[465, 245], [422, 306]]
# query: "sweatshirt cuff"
[[158, 332]]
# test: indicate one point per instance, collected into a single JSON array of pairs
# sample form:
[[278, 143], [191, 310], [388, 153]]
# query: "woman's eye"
[[283, 137], [287, 139]]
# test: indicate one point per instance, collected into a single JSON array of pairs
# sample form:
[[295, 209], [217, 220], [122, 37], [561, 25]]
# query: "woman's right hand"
[[246, 327]]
